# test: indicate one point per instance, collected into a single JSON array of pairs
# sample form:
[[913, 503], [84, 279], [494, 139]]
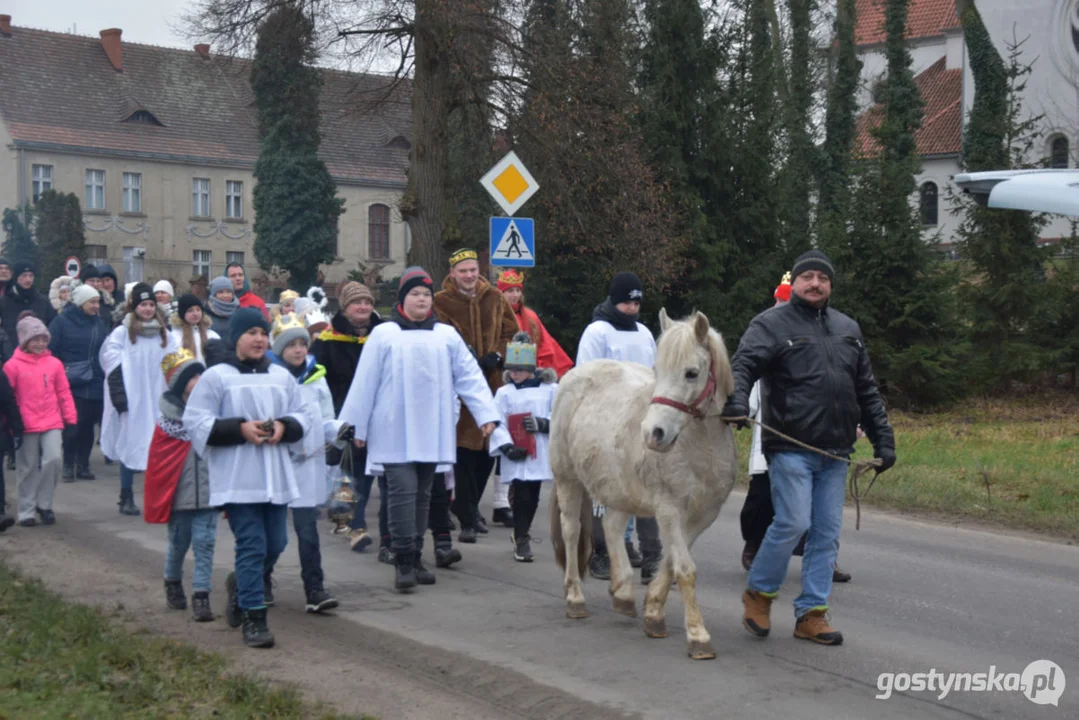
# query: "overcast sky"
[[143, 21]]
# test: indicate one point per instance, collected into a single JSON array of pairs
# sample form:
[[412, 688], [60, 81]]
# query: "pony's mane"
[[677, 347]]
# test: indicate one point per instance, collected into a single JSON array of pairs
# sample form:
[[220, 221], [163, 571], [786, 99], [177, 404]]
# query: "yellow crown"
[[462, 255], [287, 322], [287, 295], [176, 359], [786, 278]]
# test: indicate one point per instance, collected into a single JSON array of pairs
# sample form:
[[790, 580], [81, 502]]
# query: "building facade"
[[160, 146]]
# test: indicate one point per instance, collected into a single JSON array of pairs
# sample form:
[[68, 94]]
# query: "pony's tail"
[[584, 537]]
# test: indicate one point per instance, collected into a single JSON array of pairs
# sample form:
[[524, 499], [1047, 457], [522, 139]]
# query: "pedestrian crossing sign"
[[513, 242]]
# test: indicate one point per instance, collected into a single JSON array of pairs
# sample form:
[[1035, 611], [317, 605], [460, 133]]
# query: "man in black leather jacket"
[[818, 387]]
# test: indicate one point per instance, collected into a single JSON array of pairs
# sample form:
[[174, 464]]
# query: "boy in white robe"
[[528, 392], [242, 417], [401, 404]]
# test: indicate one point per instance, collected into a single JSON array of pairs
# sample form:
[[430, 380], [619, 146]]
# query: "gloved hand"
[[734, 409], [346, 433], [17, 441], [887, 459], [534, 424], [512, 452], [489, 362]]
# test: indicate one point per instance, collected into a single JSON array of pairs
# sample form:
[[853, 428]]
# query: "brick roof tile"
[[925, 18]]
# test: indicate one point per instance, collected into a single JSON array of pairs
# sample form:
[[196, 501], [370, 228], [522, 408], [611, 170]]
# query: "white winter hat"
[[83, 294], [163, 286]]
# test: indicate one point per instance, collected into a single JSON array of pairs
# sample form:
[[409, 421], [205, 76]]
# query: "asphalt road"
[[924, 597]]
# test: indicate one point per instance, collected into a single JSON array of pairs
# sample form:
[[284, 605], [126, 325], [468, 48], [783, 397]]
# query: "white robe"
[[246, 473], [126, 436], [402, 398], [757, 462], [602, 341], [312, 479], [178, 335], [535, 400]]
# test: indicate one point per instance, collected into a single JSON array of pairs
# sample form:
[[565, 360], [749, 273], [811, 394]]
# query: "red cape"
[[166, 462], [549, 354]]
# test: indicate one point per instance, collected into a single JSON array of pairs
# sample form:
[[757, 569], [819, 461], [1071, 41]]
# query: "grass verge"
[[1013, 463], [59, 660]]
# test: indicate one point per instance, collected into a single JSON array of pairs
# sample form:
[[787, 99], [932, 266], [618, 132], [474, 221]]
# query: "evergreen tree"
[[59, 231], [801, 162], [296, 208], [18, 226]]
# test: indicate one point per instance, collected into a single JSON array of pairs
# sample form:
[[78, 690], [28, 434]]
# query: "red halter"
[[694, 408]]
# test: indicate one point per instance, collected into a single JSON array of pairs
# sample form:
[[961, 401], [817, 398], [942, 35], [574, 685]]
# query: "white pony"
[[644, 443]]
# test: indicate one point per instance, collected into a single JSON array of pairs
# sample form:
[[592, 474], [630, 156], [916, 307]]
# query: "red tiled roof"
[[942, 119], [925, 18], [60, 89]]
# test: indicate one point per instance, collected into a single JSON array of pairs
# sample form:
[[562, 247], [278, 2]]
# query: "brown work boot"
[[758, 611], [814, 626]]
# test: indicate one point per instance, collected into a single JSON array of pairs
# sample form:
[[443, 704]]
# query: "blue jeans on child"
[[261, 532], [196, 529], [363, 494], [127, 477], [807, 492], [305, 522]]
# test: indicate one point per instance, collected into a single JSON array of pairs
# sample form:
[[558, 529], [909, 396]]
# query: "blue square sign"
[[513, 242]]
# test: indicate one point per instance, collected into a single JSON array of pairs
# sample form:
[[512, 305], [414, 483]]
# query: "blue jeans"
[[363, 494], [195, 529], [261, 532], [127, 477], [629, 529], [807, 492], [305, 522]]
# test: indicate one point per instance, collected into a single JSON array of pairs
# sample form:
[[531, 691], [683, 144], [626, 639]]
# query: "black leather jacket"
[[817, 386]]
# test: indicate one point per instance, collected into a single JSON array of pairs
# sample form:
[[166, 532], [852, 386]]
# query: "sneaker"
[[256, 632], [423, 575], [635, 558], [468, 535], [814, 626], [48, 517], [599, 566], [838, 576], [385, 555], [267, 590], [522, 549], [481, 525], [359, 540], [6, 521], [504, 516], [650, 567], [200, 607], [758, 612], [28, 522], [320, 600], [174, 595], [68, 474], [84, 474], [233, 615]]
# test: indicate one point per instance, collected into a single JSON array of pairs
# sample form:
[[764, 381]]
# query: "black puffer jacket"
[[17, 300], [338, 350], [818, 384]]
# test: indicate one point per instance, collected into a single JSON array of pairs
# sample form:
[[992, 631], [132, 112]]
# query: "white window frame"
[[201, 262], [200, 197], [235, 256], [132, 192], [234, 199], [95, 189], [94, 259], [41, 180], [134, 263]]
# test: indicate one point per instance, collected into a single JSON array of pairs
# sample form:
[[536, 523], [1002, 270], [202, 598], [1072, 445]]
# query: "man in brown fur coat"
[[485, 319]]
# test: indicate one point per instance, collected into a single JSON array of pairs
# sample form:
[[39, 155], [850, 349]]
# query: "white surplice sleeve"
[[501, 435], [592, 346], [112, 350], [360, 401], [330, 425], [296, 409], [469, 383], [203, 409]]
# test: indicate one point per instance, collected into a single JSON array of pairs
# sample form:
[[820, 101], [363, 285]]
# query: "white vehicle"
[[1050, 191]]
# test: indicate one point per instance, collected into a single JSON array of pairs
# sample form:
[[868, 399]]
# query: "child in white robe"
[[531, 393]]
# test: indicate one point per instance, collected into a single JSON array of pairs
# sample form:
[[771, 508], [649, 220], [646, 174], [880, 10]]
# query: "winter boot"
[[481, 524], [256, 633], [6, 521], [635, 558], [749, 552], [127, 503], [650, 566], [423, 575], [48, 517], [174, 595], [758, 612], [385, 555], [68, 475], [200, 607], [85, 474], [319, 600], [445, 553], [502, 515], [267, 590], [599, 566], [838, 576], [814, 626], [522, 549], [405, 574], [468, 535], [233, 616]]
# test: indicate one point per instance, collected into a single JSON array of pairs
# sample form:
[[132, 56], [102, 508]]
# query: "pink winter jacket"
[[41, 390]]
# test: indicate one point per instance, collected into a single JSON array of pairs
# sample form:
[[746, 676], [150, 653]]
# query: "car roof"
[[1051, 191]]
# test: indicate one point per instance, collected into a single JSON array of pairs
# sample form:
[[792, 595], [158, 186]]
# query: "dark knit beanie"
[[413, 277], [186, 302], [4, 261], [90, 272], [813, 260], [22, 266], [140, 294], [243, 320], [626, 287]]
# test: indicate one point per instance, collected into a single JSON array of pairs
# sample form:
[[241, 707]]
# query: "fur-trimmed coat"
[[486, 323], [54, 291]]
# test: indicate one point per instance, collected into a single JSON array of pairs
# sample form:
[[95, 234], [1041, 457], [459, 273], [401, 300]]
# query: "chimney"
[[110, 41], [203, 50], [5, 25]]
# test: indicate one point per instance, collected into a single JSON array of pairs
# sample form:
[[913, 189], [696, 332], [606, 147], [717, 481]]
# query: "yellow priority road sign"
[[510, 183]]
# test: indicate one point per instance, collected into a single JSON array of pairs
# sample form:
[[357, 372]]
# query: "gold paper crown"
[[175, 360], [786, 278], [287, 295], [287, 322], [463, 254]]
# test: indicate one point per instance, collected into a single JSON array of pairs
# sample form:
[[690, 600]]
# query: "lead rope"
[[857, 467]]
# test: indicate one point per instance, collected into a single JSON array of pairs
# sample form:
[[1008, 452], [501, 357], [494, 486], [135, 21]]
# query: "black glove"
[[735, 409], [347, 434], [17, 441], [512, 452], [534, 424], [490, 361], [887, 459]]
